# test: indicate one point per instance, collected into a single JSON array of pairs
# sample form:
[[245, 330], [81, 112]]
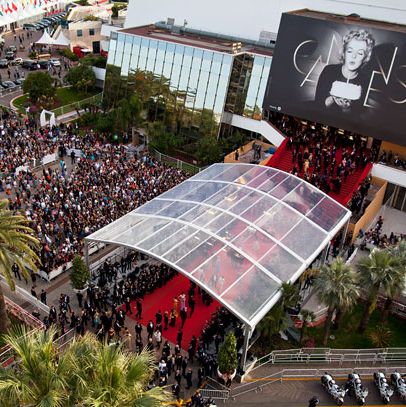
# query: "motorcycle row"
[[355, 389]]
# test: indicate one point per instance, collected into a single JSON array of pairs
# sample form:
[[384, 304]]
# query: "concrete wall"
[[85, 40], [248, 19], [372, 210]]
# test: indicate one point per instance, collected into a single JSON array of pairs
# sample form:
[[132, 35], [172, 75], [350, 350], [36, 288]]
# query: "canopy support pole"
[[247, 336], [86, 252], [345, 231]]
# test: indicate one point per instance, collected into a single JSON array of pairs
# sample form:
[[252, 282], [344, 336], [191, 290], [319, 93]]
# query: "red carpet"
[[162, 299], [282, 160]]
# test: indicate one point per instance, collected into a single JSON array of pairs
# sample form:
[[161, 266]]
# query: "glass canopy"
[[237, 230]]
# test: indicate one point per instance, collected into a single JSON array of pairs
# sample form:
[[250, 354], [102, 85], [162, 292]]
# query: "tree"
[[227, 356], [79, 275], [39, 85], [17, 246], [81, 77], [380, 270], [336, 286], [397, 287], [87, 373], [209, 150], [380, 336], [307, 317]]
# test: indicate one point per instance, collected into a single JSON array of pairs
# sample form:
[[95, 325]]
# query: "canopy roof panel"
[[237, 230]]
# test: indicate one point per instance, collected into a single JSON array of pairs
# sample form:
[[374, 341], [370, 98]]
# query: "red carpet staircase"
[[282, 160]]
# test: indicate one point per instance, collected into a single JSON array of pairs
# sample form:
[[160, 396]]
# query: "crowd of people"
[[393, 159], [374, 237], [63, 207], [322, 155]]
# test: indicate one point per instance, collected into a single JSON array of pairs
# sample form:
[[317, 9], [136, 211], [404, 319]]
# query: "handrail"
[[175, 162], [77, 105]]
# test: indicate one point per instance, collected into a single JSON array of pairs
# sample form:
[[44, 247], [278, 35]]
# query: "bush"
[[94, 60], [39, 85], [80, 275], [227, 356], [70, 55], [81, 78], [32, 55]]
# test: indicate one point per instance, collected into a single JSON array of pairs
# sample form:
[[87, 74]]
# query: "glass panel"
[[173, 241], [188, 245], [221, 270], [177, 209], [200, 254], [230, 231], [204, 190], [304, 239], [143, 54], [281, 263], [246, 178], [135, 53], [227, 197], [153, 45], [303, 198], [256, 211], [273, 182], [265, 176], [285, 187], [251, 293], [327, 214], [207, 216], [112, 52], [163, 234], [195, 213], [248, 201], [127, 54], [170, 53], [210, 172], [118, 226], [219, 223], [253, 242], [132, 236], [152, 207], [180, 190], [119, 51], [232, 173], [278, 221]]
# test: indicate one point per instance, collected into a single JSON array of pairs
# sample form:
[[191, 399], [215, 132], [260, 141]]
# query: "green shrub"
[[32, 55], [227, 356], [79, 275], [70, 55]]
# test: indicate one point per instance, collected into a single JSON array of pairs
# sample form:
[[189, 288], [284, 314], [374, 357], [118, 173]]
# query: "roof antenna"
[[184, 23]]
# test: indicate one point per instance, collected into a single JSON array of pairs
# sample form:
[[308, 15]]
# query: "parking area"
[[15, 63]]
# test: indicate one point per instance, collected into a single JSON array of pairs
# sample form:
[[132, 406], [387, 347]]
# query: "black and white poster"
[[351, 76]]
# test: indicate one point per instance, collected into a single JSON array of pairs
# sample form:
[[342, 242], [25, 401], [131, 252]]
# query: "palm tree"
[[88, 373], [307, 317], [380, 336], [336, 287], [380, 270], [40, 378], [17, 245], [397, 285]]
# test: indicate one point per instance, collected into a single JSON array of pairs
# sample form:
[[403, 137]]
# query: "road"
[[295, 392], [11, 72]]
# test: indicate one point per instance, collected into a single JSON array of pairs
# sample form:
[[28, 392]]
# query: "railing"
[[174, 162], [22, 315], [327, 355], [215, 394], [77, 105], [258, 384]]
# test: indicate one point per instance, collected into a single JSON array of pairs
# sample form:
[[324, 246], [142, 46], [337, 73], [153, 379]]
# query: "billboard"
[[346, 75]]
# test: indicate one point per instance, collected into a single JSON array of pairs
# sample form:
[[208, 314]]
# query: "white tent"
[[61, 40], [46, 39]]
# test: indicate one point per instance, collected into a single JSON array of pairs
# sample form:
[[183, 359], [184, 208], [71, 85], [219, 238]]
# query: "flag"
[[14, 6]]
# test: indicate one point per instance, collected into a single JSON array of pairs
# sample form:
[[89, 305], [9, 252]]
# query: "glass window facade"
[[249, 77], [187, 88], [181, 85]]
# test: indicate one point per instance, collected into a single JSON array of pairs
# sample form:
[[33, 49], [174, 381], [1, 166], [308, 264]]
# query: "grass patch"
[[64, 96], [347, 337]]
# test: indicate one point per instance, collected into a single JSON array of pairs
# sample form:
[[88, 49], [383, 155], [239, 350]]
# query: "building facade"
[[185, 79]]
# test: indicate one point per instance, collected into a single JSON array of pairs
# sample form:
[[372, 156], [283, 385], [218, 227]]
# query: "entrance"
[[96, 47]]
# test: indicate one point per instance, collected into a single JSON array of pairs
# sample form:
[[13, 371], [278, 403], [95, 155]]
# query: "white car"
[[55, 62]]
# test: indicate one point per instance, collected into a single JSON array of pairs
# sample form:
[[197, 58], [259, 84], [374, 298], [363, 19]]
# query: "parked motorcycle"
[[399, 385], [385, 391], [333, 389], [356, 389]]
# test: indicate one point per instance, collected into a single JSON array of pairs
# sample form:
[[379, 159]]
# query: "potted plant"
[[227, 359], [79, 275]]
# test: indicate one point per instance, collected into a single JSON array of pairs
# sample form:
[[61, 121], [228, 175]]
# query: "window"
[[79, 33], [91, 31]]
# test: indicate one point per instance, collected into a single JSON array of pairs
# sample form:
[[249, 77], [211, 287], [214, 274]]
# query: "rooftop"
[[201, 39], [350, 19], [236, 230]]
